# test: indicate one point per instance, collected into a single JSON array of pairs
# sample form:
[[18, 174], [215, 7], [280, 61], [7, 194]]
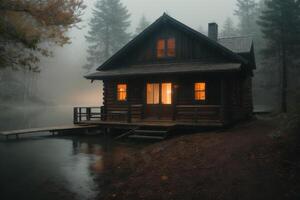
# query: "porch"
[[133, 116]]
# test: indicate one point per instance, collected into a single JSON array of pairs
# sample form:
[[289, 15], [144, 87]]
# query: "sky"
[[191, 12], [61, 80]]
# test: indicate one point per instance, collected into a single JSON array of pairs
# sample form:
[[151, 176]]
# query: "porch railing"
[[194, 113], [82, 114], [86, 114], [198, 113]]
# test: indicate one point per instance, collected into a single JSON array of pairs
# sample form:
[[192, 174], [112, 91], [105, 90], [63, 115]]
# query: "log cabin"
[[172, 73]]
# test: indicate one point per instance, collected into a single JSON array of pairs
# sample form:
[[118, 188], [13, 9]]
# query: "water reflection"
[[47, 168], [57, 168]]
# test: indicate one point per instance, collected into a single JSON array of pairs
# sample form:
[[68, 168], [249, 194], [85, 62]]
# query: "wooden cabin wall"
[[239, 99], [247, 103], [114, 108], [187, 49], [235, 104], [186, 95], [188, 109]]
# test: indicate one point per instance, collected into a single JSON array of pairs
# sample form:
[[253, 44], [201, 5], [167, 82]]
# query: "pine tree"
[[280, 24], [143, 24], [108, 31], [228, 29], [246, 12]]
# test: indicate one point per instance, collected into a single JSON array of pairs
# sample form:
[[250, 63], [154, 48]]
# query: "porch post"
[[222, 108], [174, 100], [75, 115], [129, 104]]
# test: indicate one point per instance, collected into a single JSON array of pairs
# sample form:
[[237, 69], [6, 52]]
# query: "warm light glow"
[[122, 92], [171, 47], [166, 93], [160, 48], [153, 93], [200, 91]]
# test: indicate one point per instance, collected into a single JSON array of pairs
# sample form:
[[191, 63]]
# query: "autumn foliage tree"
[[29, 28]]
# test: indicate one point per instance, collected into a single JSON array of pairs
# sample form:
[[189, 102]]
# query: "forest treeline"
[[29, 30]]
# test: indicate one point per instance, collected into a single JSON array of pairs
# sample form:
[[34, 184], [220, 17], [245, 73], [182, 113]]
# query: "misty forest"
[[60, 57]]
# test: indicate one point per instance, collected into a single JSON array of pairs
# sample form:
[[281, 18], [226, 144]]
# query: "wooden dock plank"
[[46, 129]]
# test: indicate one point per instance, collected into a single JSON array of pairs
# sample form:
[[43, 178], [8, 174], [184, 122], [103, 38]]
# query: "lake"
[[51, 168]]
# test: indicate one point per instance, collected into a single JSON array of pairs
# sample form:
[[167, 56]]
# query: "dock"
[[52, 130]]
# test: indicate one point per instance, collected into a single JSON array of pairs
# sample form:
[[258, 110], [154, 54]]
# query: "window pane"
[[153, 93], [122, 92], [200, 86], [150, 93], [200, 91], [156, 93], [171, 47], [160, 48], [166, 93]]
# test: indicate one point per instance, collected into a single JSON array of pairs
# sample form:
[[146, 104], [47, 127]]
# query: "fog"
[[61, 80]]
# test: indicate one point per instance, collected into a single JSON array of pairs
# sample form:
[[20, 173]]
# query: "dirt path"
[[240, 163]]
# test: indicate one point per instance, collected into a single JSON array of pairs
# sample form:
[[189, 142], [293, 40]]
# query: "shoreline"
[[242, 162]]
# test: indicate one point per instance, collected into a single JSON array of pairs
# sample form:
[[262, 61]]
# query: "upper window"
[[166, 48], [171, 47], [122, 92], [161, 48], [200, 91]]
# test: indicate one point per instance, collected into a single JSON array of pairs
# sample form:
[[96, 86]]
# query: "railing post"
[[102, 113], [79, 114], [129, 114], [75, 115], [195, 115], [88, 114]]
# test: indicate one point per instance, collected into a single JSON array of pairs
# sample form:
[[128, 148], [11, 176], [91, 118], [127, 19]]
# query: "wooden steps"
[[146, 137], [158, 133], [152, 132]]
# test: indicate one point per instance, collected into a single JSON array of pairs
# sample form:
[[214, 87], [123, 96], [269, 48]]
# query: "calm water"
[[45, 168]]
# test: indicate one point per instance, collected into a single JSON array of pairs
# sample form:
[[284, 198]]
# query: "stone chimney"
[[213, 31]]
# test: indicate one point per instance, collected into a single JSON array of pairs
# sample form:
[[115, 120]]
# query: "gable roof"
[[241, 44], [170, 68], [166, 18]]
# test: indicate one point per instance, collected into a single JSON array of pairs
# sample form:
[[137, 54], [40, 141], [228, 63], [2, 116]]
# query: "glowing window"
[[122, 92], [200, 91], [166, 48], [171, 47], [166, 93], [153, 93], [161, 48]]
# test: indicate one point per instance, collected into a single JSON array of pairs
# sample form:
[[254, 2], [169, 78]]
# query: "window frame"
[[168, 48], [153, 94], [200, 91], [160, 93], [166, 54], [119, 92], [166, 94]]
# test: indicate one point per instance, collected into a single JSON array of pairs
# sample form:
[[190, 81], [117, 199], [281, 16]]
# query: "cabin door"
[[159, 101]]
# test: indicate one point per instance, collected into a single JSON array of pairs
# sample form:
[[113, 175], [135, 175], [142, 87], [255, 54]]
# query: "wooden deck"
[[52, 130], [144, 126], [163, 124]]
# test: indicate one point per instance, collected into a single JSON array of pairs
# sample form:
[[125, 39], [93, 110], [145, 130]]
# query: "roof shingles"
[[137, 70], [237, 44]]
